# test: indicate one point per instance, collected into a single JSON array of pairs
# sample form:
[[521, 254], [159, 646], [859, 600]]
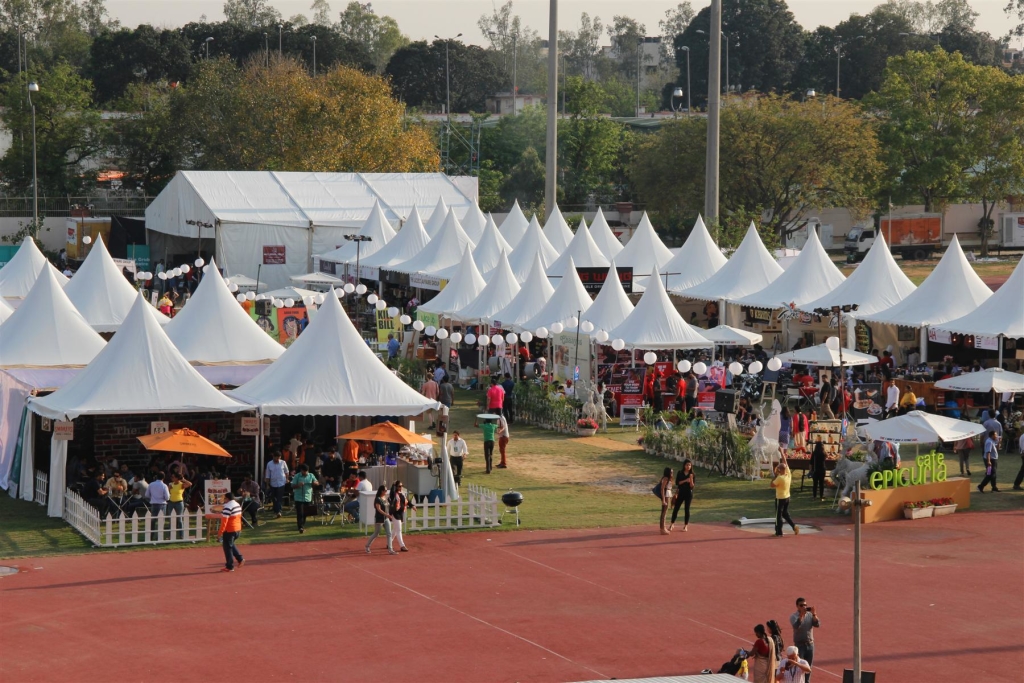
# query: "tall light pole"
[[207, 42], [314, 56], [714, 112], [639, 53], [280, 28], [515, 59], [856, 505], [725, 36], [551, 165], [839, 56], [358, 239], [689, 111], [34, 87], [266, 49], [448, 75]]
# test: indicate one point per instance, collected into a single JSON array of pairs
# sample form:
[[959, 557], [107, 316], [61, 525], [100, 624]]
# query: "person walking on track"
[[381, 519], [781, 483], [230, 530], [664, 490], [684, 495], [399, 504], [503, 437]]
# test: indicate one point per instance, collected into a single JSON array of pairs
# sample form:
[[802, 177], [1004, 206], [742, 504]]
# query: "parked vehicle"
[[911, 237]]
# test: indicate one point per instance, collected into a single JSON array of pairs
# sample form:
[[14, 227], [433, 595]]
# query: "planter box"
[[918, 513], [581, 431], [941, 510]]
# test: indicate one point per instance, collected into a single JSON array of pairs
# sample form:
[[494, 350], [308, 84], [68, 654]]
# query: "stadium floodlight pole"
[[689, 111], [208, 41], [714, 112], [551, 166], [314, 56], [856, 506], [34, 87], [448, 76], [280, 29], [266, 48]]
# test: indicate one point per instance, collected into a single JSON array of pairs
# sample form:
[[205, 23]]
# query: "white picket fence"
[[42, 486], [476, 508], [148, 529]]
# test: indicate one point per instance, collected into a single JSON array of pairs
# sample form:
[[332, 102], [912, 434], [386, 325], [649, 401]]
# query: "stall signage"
[[593, 278], [757, 316], [273, 255], [939, 336], [64, 431], [46, 424], [426, 281], [990, 343], [329, 267], [250, 426], [159, 427], [928, 468], [215, 490]]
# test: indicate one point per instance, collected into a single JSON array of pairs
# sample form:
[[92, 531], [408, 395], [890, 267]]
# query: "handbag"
[[657, 491]]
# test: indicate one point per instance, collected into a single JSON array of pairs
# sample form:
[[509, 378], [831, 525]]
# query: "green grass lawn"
[[566, 482]]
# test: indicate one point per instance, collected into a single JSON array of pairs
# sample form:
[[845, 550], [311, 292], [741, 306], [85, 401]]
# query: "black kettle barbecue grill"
[[512, 501]]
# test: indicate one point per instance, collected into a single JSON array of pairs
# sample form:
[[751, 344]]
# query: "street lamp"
[[266, 49], [358, 239], [689, 112], [34, 87], [208, 41], [314, 55], [639, 56], [855, 505], [280, 28], [725, 37], [839, 56], [448, 75]]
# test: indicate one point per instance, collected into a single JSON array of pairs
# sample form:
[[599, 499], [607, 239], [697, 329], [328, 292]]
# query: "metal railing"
[[62, 207]]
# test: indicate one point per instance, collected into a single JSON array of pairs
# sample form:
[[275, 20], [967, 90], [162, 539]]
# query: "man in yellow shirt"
[[176, 498], [781, 483]]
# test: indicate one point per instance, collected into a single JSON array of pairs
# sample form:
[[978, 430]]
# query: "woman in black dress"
[[818, 470], [684, 494], [399, 504]]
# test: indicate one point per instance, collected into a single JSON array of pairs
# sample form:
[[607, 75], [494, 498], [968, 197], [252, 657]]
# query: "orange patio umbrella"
[[388, 432], [183, 441]]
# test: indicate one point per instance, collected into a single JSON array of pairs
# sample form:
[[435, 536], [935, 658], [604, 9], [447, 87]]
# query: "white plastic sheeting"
[[101, 293], [1001, 314], [583, 251], [532, 243], [139, 371], [557, 231], [750, 269], [698, 259], [499, 291], [876, 284], [212, 328], [569, 300], [656, 324], [604, 237], [20, 273], [465, 285], [810, 274], [950, 291], [514, 226], [329, 370], [48, 331], [645, 251], [534, 293], [13, 394]]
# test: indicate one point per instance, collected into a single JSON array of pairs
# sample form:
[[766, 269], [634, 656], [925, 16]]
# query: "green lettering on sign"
[[929, 468]]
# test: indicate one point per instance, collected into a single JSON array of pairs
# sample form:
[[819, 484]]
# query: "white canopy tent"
[[557, 231], [920, 427], [603, 236], [409, 241], [101, 293], [582, 250], [656, 324], [244, 282], [569, 300], [534, 293], [876, 284], [698, 259], [611, 305], [514, 225], [499, 291], [330, 370], [436, 219], [214, 332], [444, 250], [20, 273], [989, 379], [750, 269], [950, 291], [1001, 315], [473, 223], [317, 279], [533, 242], [5, 310], [465, 285], [294, 293], [139, 371], [723, 335], [297, 213], [824, 355], [811, 274], [644, 252], [379, 231], [491, 248]]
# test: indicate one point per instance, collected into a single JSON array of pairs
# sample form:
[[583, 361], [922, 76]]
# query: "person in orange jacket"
[[230, 529]]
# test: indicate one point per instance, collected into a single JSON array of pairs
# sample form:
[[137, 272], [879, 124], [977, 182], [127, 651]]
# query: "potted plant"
[[586, 427], [943, 506], [917, 509]]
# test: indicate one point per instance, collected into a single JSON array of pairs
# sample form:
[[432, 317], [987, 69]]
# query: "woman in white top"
[[457, 452]]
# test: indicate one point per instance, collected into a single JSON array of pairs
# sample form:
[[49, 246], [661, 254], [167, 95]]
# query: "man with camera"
[[793, 669], [804, 620]]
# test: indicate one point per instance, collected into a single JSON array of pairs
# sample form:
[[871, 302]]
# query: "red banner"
[[273, 255]]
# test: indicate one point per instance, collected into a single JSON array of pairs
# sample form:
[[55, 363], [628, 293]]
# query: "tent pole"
[[999, 342], [924, 344]]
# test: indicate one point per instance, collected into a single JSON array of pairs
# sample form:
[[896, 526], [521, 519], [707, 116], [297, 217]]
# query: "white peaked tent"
[[952, 290], [376, 227], [557, 231], [437, 217], [603, 236], [473, 223], [318, 279], [47, 331], [101, 293], [723, 335], [656, 324], [698, 259], [569, 300], [501, 288], [330, 370], [645, 252], [876, 284], [5, 310], [461, 289], [919, 427], [750, 270], [582, 250], [611, 305], [532, 243], [1002, 314], [409, 241], [514, 225], [443, 250], [22, 271], [490, 248], [811, 273], [212, 329], [534, 293]]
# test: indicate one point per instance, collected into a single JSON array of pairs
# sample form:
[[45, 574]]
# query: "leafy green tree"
[[589, 145], [69, 130], [146, 139], [581, 49], [321, 10], [626, 35], [381, 35], [518, 43], [250, 14], [144, 54], [490, 181], [418, 75], [525, 182], [674, 24], [505, 143]]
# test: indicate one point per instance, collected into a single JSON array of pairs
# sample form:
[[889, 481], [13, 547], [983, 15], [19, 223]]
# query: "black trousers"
[[301, 510], [782, 513], [1020, 475], [682, 500], [806, 651], [456, 461], [488, 454], [990, 478], [818, 484]]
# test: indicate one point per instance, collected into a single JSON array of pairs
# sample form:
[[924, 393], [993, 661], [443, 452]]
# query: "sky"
[[422, 19]]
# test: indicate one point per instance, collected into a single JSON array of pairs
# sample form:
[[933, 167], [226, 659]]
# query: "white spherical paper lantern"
[[498, 340], [587, 327], [430, 330], [278, 303], [483, 339], [442, 334], [456, 337], [700, 368], [735, 368], [542, 332], [684, 366], [240, 297], [755, 367], [774, 364], [832, 343], [392, 311], [289, 302], [86, 240], [527, 336], [418, 325], [200, 263], [557, 328], [380, 305], [511, 337], [185, 268], [163, 276], [372, 299], [349, 288], [601, 336], [319, 299], [360, 289], [231, 288], [470, 338], [405, 320], [250, 296], [573, 321], [650, 358], [618, 344]]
